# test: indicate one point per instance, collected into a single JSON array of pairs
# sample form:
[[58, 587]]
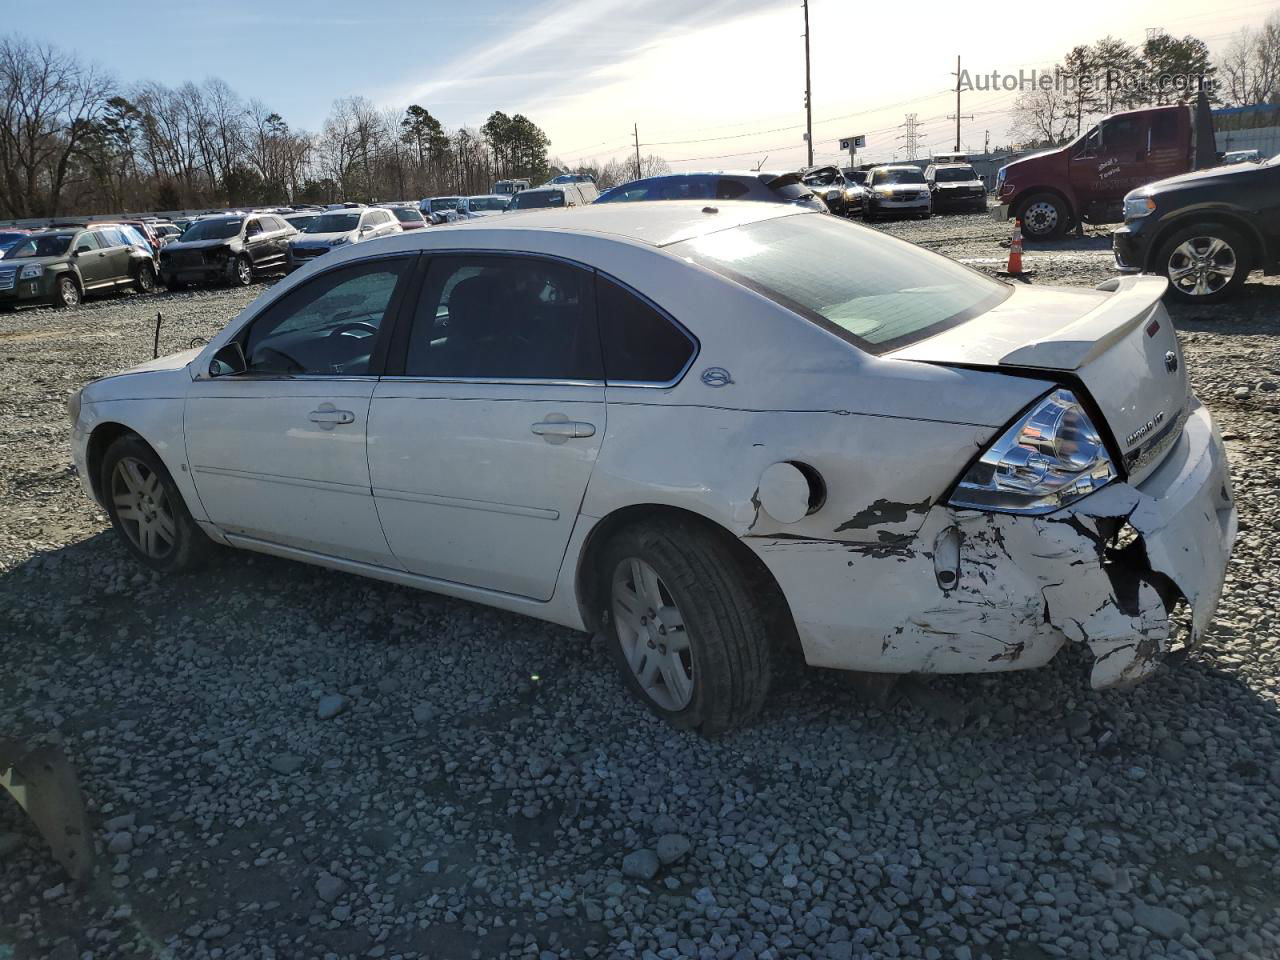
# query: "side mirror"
[[228, 361], [80, 250], [367, 228]]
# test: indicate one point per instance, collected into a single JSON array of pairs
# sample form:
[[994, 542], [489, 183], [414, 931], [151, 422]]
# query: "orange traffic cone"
[[1014, 268]]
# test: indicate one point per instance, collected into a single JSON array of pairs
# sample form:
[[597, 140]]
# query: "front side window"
[[328, 325], [1123, 133], [252, 228], [88, 241], [640, 345], [879, 292], [504, 318], [50, 245]]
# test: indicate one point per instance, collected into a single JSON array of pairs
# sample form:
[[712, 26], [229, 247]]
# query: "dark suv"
[[749, 185], [62, 267], [1204, 231], [956, 186], [232, 249]]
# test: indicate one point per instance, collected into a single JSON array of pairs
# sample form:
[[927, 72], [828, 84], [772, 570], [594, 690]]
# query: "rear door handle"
[[559, 430]]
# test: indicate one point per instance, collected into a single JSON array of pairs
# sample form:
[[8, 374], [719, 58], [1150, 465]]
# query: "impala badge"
[[1146, 428], [716, 377]]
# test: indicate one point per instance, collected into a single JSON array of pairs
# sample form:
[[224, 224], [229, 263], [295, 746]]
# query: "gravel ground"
[[282, 761]]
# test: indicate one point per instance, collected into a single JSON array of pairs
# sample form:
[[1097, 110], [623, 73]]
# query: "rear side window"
[[1164, 129], [730, 189], [640, 344], [499, 317]]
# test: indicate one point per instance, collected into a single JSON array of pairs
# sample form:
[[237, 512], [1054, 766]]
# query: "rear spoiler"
[[1093, 334]]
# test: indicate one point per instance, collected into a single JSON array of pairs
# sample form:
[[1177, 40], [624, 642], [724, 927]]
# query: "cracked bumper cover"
[[978, 592]]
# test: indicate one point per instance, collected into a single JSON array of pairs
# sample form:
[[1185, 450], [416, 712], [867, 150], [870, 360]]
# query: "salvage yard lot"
[[485, 775]]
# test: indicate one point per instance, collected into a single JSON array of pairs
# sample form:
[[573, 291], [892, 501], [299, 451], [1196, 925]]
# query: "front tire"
[[66, 293], [1203, 264], [1044, 216], [145, 281], [241, 272], [689, 637], [147, 510]]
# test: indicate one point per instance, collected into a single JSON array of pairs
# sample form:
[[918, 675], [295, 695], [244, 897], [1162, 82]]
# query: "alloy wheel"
[[142, 508], [651, 631], [244, 272], [69, 292], [1201, 266], [146, 279]]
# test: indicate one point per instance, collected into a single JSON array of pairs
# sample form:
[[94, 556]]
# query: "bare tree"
[[1043, 115], [1250, 66], [49, 102]]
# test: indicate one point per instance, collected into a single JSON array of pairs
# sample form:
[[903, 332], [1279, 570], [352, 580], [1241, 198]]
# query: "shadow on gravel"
[[487, 767]]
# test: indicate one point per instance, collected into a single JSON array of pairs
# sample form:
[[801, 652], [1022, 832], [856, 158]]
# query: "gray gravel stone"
[[640, 865], [331, 705]]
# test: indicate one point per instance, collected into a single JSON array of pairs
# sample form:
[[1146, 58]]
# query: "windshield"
[[954, 174], [9, 239], [333, 223], [443, 203], [300, 223], [530, 199], [856, 176], [212, 230], [54, 245], [487, 203], [878, 292], [821, 178], [897, 175]]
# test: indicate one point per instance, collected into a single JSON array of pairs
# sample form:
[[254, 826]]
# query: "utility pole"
[[636, 127], [986, 142], [808, 104], [957, 118]]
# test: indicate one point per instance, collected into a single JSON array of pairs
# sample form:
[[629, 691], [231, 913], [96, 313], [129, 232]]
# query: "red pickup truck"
[[1086, 180]]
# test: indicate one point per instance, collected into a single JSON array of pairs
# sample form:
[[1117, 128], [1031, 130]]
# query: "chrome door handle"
[[330, 417], [558, 430]]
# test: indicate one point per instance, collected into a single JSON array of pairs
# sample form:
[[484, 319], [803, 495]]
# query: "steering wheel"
[[364, 325], [290, 364]]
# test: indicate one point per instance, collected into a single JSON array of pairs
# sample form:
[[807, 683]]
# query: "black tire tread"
[[194, 545], [729, 623]]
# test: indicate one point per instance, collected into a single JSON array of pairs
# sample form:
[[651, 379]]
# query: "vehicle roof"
[[894, 166], [487, 196], [658, 223], [952, 164]]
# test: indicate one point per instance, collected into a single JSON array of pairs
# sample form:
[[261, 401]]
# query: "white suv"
[[335, 228]]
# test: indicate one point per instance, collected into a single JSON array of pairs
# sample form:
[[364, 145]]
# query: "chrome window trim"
[[497, 381]]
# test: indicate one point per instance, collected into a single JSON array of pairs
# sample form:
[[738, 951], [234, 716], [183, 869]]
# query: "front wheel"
[[689, 637], [242, 271], [145, 281], [1203, 264], [1044, 216], [147, 510], [66, 293]]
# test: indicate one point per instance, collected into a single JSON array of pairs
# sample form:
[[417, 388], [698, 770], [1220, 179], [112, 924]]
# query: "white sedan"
[[718, 434]]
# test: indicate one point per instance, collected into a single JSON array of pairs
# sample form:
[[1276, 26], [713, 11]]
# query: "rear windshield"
[[953, 174], [212, 230], [405, 215], [876, 291], [903, 175], [530, 199], [487, 203], [443, 203]]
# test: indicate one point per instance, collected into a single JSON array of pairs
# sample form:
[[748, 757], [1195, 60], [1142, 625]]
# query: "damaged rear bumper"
[[977, 592]]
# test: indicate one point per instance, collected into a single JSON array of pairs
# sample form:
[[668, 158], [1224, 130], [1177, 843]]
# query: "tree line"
[[1109, 75], [72, 140]]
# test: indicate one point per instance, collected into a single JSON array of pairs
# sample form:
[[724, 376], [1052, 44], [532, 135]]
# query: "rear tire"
[[689, 635], [1044, 216], [1215, 258], [147, 510]]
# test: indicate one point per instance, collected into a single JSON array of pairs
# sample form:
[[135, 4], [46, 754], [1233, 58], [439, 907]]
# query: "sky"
[[711, 84]]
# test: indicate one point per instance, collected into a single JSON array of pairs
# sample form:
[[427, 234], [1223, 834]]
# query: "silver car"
[[897, 191]]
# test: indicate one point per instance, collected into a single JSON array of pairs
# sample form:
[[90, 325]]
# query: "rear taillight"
[[1053, 455]]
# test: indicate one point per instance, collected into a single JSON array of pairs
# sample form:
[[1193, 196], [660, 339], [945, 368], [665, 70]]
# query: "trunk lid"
[[1120, 344]]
